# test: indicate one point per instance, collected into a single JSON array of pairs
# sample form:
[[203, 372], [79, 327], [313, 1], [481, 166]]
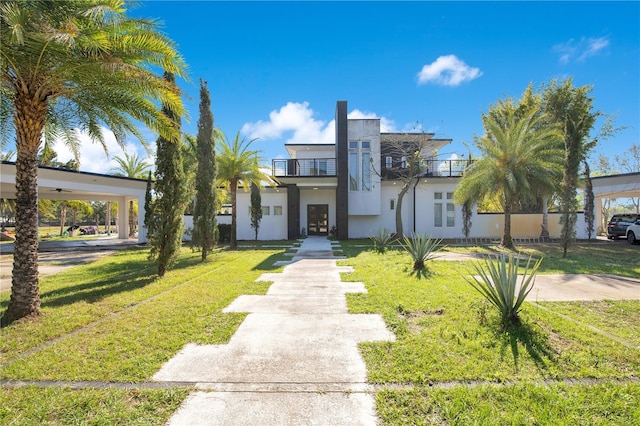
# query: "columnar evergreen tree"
[[570, 107], [256, 208], [70, 64], [165, 235], [589, 207], [204, 214]]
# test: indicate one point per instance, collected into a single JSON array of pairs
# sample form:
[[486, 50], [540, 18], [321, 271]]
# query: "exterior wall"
[[522, 225], [366, 202], [272, 227], [318, 196], [311, 151]]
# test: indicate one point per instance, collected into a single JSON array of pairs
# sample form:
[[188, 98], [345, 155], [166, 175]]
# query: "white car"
[[633, 232]]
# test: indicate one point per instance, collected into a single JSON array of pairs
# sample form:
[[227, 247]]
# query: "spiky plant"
[[422, 248], [498, 282], [381, 240]]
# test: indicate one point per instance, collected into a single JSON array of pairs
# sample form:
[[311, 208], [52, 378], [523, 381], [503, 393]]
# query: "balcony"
[[304, 167], [446, 168]]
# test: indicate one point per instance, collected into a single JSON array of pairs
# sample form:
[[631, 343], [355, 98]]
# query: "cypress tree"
[[589, 200], [204, 214], [256, 207], [165, 236]]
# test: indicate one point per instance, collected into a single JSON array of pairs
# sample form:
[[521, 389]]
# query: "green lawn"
[[447, 335], [114, 320]]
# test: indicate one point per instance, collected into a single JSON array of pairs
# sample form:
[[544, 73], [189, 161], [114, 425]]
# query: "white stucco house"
[[351, 186]]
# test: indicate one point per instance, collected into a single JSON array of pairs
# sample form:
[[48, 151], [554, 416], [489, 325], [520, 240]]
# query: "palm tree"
[[238, 165], [518, 156], [70, 64], [132, 166]]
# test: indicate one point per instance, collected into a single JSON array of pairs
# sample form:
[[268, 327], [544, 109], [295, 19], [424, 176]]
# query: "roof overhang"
[[61, 184]]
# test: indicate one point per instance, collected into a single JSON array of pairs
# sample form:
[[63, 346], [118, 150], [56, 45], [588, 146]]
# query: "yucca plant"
[[381, 240], [421, 248], [497, 281]]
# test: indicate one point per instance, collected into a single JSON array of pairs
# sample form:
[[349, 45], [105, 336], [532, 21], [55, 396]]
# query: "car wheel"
[[631, 238]]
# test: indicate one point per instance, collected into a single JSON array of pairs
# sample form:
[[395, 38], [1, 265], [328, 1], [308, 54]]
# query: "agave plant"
[[497, 281], [421, 248], [381, 240]]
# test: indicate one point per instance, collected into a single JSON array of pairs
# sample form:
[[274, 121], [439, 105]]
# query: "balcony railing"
[[304, 167], [447, 168]]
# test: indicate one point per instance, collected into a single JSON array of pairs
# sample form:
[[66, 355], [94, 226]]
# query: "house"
[[351, 188]]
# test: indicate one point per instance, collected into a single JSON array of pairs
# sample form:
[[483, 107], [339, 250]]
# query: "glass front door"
[[318, 219]]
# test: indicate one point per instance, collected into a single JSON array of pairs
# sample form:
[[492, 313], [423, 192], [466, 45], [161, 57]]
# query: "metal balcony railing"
[[447, 168], [304, 167]]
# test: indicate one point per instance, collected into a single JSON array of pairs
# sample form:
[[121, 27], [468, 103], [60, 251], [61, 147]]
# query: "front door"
[[318, 219]]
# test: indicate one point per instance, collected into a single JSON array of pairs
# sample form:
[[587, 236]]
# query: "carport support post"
[[123, 218]]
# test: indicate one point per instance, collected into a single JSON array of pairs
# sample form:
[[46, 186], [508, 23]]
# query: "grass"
[[114, 320], [446, 333], [64, 406]]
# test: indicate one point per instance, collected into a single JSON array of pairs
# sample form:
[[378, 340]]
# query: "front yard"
[[111, 324]]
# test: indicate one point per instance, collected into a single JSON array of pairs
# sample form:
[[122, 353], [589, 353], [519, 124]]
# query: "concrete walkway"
[[293, 361]]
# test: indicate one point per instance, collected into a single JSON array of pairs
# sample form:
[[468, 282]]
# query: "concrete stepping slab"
[[243, 408]]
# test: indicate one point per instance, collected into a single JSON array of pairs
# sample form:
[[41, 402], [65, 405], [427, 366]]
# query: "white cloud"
[[448, 71], [386, 125], [580, 50], [92, 156], [295, 123], [295, 119]]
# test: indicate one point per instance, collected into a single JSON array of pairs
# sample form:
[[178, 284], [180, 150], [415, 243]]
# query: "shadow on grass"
[[533, 339]]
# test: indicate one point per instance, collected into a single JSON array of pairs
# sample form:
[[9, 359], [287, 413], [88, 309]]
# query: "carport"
[[625, 185], [60, 184]]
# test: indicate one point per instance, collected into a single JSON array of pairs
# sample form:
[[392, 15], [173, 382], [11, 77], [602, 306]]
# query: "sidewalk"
[[293, 361]]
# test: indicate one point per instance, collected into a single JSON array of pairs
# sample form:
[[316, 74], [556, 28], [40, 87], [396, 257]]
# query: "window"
[[437, 195], [359, 166], [265, 211], [388, 162], [392, 204], [277, 210], [449, 195], [451, 215], [404, 162], [437, 215]]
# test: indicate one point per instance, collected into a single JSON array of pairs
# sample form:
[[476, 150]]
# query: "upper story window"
[[388, 162], [359, 166]]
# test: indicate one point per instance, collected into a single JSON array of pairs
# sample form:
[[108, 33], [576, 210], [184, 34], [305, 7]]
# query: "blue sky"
[[276, 70]]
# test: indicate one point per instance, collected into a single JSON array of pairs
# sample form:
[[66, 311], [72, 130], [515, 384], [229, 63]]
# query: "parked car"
[[617, 226], [633, 232]]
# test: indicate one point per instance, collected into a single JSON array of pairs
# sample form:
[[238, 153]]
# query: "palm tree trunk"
[[29, 121], [234, 191], [507, 241], [63, 217]]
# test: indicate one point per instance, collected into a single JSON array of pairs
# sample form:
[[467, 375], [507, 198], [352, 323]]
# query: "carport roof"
[[62, 184], [617, 186]]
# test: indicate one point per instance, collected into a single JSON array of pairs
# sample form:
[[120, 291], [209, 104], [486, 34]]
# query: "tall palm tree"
[[518, 156], [238, 165], [74, 64], [132, 166]]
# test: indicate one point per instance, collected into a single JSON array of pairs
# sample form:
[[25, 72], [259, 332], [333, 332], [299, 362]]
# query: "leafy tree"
[[571, 108], [517, 155], [408, 170], [204, 214], [166, 228], [256, 208], [239, 165], [136, 167], [69, 64], [630, 163]]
